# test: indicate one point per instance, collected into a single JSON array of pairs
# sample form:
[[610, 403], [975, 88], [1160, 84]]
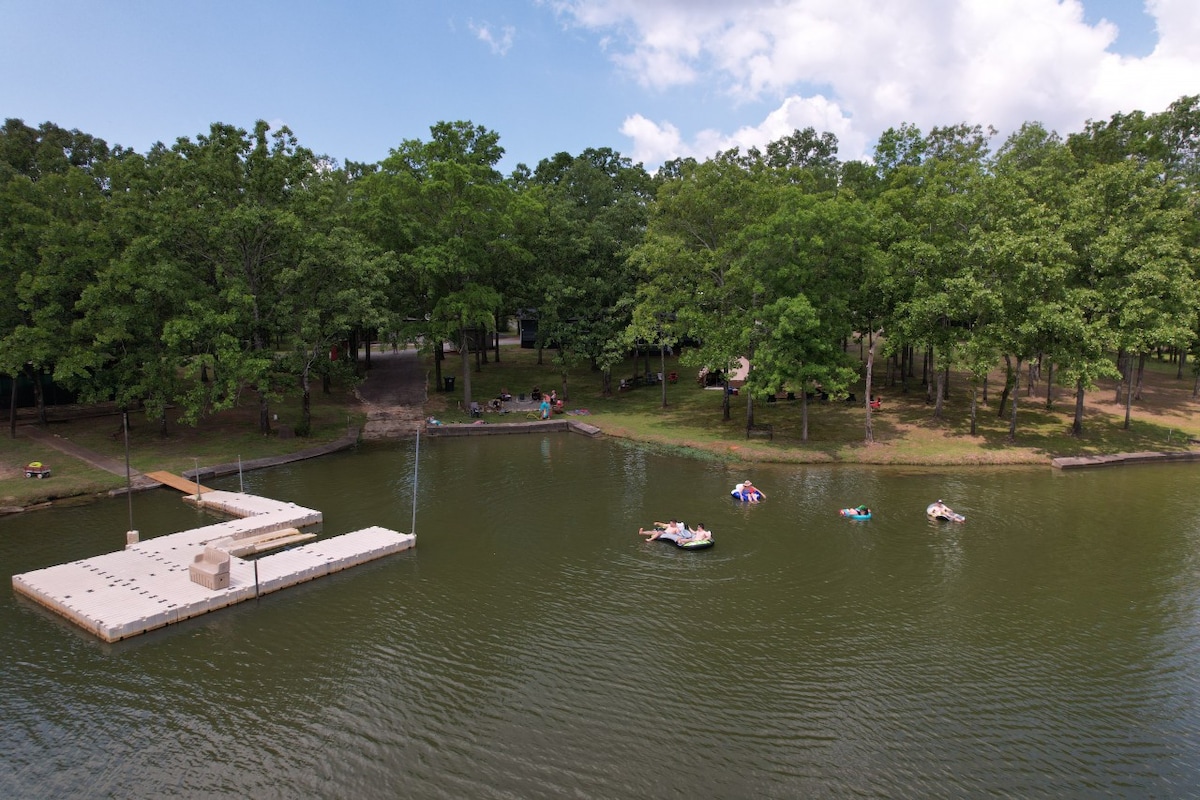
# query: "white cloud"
[[654, 142], [927, 62], [500, 45]]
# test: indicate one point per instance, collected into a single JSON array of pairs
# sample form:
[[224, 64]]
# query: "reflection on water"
[[533, 646]]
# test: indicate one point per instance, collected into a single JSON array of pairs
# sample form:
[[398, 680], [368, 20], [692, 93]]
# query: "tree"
[[933, 198], [809, 255], [53, 242], [595, 207], [446, 209], [1131, 232], [339, 284], [689, 254]]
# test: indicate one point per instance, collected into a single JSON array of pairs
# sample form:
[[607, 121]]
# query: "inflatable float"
[[742, 495], [681, 541], [943, 513], [862, 512]]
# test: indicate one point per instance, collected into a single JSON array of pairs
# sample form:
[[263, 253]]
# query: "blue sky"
[[653, 79]]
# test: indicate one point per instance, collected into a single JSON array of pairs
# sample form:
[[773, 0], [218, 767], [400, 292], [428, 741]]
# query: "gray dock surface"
[[147, 585]]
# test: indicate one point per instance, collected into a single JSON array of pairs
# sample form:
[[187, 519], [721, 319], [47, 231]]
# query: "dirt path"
[[394, 394]]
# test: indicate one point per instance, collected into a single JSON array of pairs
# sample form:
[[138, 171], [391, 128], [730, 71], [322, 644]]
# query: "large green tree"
[[449, 208], [52, 242]]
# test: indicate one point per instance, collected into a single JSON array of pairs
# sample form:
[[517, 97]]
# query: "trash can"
[[449, 383]]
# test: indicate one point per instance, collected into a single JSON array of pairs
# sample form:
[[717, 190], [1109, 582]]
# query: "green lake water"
[[533, 646]]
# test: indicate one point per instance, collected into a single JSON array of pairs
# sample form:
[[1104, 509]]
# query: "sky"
[[651, 79]]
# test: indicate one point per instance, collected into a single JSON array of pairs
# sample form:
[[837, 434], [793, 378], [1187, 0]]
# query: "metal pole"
[[196, 475], [416, 470], [128, 473], [241, 485]]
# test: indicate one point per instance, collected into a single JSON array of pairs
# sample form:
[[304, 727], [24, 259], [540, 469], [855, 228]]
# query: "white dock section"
[[147, 585]]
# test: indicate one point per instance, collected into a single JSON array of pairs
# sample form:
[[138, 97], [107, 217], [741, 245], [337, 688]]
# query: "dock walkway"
[[147, 585], [191, 487]]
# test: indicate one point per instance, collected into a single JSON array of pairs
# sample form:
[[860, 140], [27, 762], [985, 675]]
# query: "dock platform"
[[177, 482], [147, 585]]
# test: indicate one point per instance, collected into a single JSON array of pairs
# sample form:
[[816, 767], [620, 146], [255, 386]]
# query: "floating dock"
[[170, 578]]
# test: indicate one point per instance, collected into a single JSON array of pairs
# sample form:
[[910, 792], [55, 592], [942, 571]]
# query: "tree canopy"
[[237, 261]]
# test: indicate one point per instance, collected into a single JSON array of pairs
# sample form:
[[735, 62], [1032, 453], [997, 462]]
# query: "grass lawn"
[[905, 431], [220, 439]]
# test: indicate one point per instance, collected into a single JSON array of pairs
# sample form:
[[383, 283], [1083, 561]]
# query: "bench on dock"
[[760, 430], [210, 569]]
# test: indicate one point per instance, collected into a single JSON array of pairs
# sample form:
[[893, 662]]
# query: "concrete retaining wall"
[[537, 426], [1082, 462]]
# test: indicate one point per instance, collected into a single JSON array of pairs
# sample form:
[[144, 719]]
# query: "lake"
[[533, 646]]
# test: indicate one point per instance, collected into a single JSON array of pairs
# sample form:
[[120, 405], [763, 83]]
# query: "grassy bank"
[[905, 431], [220, 439], [1164, 419]]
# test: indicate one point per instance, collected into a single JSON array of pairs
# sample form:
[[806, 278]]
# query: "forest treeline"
[[233, 263]]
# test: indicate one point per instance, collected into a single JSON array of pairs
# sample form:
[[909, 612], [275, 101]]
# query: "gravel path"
[[394, 394]]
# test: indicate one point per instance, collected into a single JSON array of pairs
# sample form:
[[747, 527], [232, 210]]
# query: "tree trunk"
[[465, 352], [12, 410], [1049, 385], [439, 353], [1141, 373], [1012, 422], [869, 436], [39, 396], [662, 360], [974, 394], [926, 370], [939, 381], [725, 415], [1128, 390], [264, 413], [804, 414], [1122, 361], [1008, 384], [1077, 425], [305, 402]]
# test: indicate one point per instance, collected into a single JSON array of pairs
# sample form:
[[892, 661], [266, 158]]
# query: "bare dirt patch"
[[393, 395]]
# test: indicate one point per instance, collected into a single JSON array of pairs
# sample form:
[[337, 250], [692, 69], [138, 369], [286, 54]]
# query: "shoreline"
[[750, 453]]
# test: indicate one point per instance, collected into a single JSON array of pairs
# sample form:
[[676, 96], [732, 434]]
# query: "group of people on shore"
[[679, 532]]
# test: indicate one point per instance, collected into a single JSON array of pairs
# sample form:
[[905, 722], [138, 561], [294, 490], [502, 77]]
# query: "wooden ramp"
[[176, 482]]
